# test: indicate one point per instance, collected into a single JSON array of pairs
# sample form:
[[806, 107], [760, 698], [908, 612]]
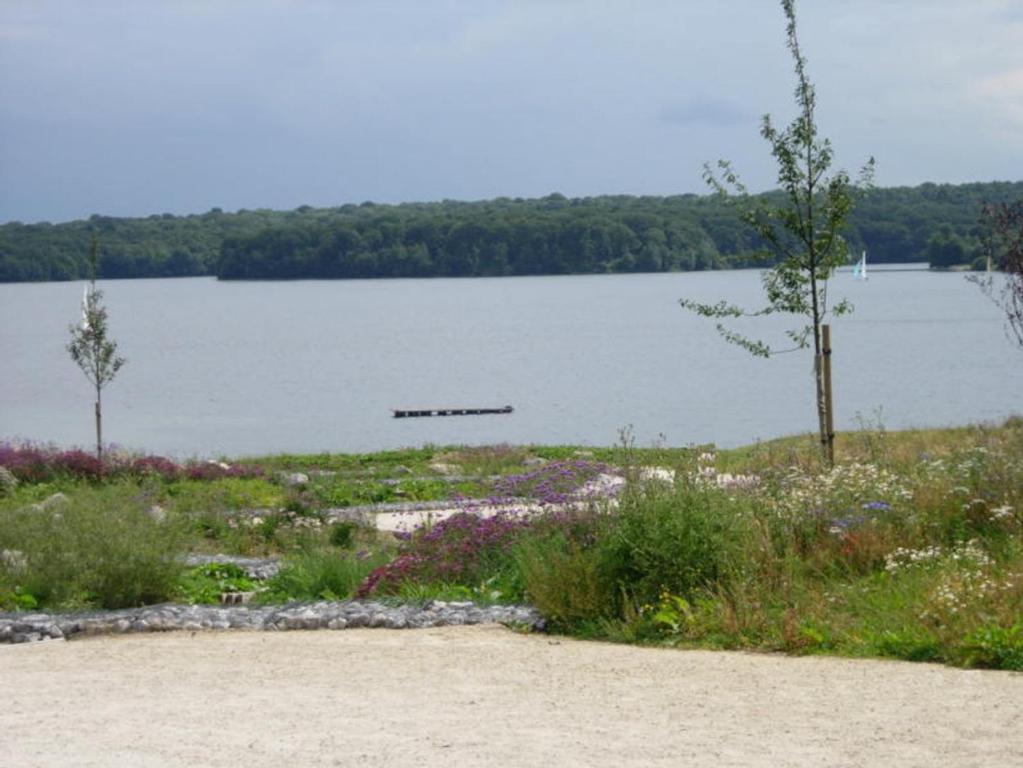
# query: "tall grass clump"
[[600, 566], [680, 539], [559, 566], [320, 574], [100, 548]]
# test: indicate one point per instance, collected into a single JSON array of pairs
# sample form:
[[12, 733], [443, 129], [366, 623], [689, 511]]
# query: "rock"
[[358, 620], [54, 502], [602, 486], [8, 482], [445, 469], [256, 568], [534, 461], [657, 474], [157, 513], [236, 598], [291, 479], [583, 454], [401, 469], [13, 560], [35, 627]]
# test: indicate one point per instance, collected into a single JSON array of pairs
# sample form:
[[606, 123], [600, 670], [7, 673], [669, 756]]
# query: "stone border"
[[349, 614]]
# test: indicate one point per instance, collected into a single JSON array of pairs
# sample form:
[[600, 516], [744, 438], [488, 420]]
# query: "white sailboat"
[[860, 268]]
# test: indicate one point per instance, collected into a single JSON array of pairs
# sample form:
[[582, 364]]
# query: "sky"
[[144, 107]]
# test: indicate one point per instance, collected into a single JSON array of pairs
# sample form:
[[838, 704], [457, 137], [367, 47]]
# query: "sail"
[[85, 307], [860, 268]]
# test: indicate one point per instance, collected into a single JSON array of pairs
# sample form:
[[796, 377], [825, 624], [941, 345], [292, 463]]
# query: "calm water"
[[242, 368]]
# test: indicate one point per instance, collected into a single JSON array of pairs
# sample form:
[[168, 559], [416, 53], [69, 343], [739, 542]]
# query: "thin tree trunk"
[[829, 397], [818, 362], [99, 427]]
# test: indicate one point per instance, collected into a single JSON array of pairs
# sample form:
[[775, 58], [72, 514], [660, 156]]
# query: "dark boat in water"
[[405, 413]]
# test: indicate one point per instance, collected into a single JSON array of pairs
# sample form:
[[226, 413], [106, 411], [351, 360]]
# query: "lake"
[[262, 367]]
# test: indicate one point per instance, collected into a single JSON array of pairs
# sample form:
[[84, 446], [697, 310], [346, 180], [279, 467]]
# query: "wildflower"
[[1004, 512]]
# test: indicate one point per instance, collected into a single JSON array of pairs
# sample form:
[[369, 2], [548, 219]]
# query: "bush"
[[100, 549], [680, 540], [995, 647], [343, 534], [561, 579]]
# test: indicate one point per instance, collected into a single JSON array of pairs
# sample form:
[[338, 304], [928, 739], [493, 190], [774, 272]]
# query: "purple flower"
[[34, 464]]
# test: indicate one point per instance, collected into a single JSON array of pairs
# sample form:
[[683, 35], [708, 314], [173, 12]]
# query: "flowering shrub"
[[34, 464], [27, 463], [154, 465], [554, 483], [462, 549], [80, 464], [215, 470]]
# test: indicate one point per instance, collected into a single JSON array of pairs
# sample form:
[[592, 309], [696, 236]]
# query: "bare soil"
[[486, 696]]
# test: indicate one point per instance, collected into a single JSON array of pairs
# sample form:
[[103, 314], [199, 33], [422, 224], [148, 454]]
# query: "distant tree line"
[[550, 235]]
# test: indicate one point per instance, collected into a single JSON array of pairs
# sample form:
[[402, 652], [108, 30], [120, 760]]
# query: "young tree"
[[801, 234], [1003, 245], [90, 348]]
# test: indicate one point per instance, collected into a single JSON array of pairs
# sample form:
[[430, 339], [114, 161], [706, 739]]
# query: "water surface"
[[261, 367]]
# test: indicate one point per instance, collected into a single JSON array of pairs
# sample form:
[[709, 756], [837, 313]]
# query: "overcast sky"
[[139, 107]]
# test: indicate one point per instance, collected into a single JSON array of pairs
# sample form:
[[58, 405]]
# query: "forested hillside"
[[550, 235]]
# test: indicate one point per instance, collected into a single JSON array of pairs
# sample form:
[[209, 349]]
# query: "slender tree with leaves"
[[801, 234], [1002, 224], [90, 347]]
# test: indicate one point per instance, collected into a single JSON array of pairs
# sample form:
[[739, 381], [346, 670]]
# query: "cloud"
[[703, 110], [1003, 95]]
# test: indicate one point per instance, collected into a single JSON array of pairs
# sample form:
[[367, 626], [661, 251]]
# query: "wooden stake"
[[829, 406], [99, 433]]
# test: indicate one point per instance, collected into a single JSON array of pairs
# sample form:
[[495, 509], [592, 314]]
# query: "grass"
[[100, 548], [320, 574], [910, 548]]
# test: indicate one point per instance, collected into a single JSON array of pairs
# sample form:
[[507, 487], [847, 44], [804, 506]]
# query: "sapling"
[[90, 347], [802, 233]]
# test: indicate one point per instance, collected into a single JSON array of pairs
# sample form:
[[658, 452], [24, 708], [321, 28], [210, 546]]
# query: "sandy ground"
[[485, 696]]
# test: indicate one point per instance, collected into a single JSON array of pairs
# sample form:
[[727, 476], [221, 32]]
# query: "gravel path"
[[486, 696]]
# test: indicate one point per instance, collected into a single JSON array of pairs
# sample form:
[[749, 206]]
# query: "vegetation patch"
[[910, 547], [206, 584]]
